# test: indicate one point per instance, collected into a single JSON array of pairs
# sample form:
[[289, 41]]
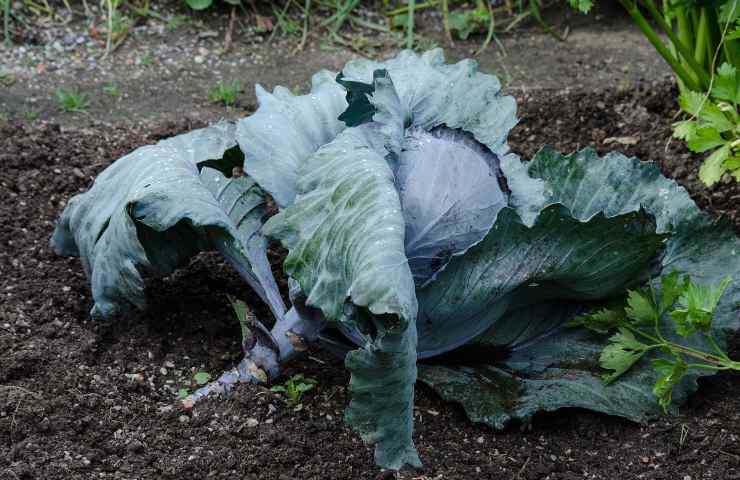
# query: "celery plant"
[[700, 36]]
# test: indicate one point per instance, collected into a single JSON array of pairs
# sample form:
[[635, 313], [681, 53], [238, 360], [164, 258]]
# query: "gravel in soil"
[[81, 400]]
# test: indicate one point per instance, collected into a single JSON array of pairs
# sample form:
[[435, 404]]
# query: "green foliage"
[[714, 125], [225, 93], [201, 378], [294, 388], [199, 4], [690, 306], [465, 22], [583, 6], [71, 100]]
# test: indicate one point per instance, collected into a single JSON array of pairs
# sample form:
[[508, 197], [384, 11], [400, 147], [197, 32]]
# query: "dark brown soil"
[[71, 408]]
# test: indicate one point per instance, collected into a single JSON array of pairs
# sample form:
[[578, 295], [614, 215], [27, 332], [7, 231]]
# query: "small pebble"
[[183, 419]]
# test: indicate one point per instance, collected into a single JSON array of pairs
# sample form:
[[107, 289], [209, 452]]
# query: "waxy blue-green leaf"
[[557, 258], [345, 236], [286, 129], [152, 210]]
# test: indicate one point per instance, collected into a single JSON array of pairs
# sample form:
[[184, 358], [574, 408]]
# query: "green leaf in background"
[[199, 4], [201, 378], [584, 6]]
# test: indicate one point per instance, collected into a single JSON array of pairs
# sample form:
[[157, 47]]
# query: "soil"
[[81, 399]]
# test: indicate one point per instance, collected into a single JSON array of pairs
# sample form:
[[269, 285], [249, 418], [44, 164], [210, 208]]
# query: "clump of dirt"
[[80, 399]]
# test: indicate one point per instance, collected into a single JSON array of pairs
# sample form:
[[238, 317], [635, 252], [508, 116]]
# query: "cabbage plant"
[[418, 245]]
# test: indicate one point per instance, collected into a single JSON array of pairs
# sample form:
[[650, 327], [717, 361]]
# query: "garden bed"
[[80, 399]]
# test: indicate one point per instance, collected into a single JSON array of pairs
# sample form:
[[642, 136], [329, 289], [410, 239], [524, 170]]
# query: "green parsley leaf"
[[623, 351], [669, 374], [640, 308], [601, 321]]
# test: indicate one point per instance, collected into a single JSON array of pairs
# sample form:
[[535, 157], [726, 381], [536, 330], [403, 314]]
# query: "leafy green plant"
[[72, 100], [412, 232], [294, 388], [465, 22], [641, 330], [714, 125], [225, 93]]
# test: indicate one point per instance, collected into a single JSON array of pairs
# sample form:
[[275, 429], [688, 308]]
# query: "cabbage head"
[[419, 246]]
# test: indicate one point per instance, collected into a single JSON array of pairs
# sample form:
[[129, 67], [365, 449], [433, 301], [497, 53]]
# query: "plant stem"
[[683, 49], [702, 33], [446, 20], [644, 26], [410, 24], [491, 27], [690, 352], [417, 6], [6, 21]]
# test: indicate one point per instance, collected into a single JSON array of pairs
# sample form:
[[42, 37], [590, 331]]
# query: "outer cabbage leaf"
[[547, 366], [286, 129], [345, 236], [152, 210], [433, 93], [558, 258]]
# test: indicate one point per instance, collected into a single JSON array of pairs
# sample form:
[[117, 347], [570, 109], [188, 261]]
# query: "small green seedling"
[[72, 100], [112, 89], [183, 393], [225, 93], [201, 378], [294, 388], [641, 329]]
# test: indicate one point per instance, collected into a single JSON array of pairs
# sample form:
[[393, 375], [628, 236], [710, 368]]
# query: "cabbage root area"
[[500, 253]]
